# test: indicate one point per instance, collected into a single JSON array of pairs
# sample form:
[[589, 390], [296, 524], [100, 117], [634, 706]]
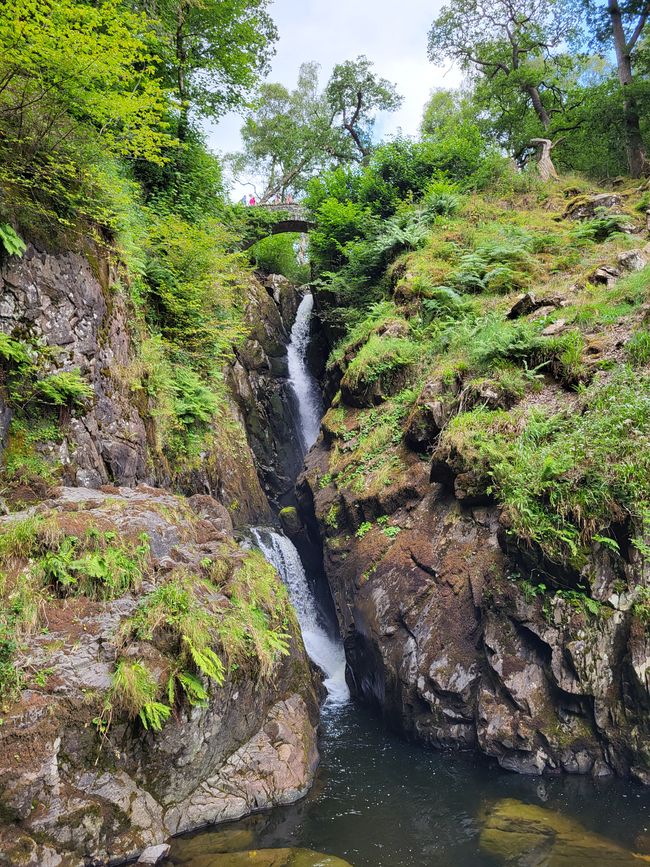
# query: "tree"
[[512, 49], [355, 94], [77, 85], [290, 135], [623, 25], [215, 51]]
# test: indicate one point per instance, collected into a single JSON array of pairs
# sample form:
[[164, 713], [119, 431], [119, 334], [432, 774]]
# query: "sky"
[[392, 34]]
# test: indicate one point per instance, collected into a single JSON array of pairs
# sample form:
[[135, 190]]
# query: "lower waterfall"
[[326, 652]]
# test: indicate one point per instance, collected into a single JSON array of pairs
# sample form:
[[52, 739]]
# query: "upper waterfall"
[[302, 382]]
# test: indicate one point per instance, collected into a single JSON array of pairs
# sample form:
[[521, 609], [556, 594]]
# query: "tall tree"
[[355, 94], [215, 52], [292, 135], [512, 48], [623, 24]]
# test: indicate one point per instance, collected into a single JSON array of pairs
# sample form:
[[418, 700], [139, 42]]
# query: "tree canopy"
[[290, 135]]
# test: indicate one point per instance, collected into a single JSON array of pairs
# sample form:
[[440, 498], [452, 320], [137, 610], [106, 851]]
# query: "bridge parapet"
[[294, 209]]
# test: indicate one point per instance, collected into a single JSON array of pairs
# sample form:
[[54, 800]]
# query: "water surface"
[[379, 801]]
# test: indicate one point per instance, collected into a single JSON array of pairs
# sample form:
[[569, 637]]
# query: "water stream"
[[304, 386], [379, 801], [323, 649]]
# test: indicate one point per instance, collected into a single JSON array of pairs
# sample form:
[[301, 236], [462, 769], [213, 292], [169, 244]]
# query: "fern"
[[11, 242], [154, 715], [207, 661], [194, 690]]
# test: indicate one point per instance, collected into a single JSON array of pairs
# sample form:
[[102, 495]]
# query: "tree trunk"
[[636, 153], [538, 105], [545, 165]]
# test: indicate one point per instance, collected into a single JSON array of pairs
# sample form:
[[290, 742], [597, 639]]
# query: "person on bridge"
[[251, 201], [244, 200]]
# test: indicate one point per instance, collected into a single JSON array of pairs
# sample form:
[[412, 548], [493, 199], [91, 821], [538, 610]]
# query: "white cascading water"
[[301, 380], [326, 652]]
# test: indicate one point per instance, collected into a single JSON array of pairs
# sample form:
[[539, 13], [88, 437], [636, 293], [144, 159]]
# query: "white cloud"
[[392, 35]]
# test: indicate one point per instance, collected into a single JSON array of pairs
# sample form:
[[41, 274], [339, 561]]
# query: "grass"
[[40, 562], [567, 479]]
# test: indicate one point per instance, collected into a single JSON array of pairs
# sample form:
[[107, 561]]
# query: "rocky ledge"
[[109, 574]]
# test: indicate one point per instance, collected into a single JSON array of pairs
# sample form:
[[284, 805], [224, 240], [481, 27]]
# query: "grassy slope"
[[554, 424]]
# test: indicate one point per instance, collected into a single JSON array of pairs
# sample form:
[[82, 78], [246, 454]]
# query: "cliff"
[[486, 558], [153, 678]]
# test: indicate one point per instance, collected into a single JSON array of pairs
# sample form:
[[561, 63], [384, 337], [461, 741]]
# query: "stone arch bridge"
[[269, 219]]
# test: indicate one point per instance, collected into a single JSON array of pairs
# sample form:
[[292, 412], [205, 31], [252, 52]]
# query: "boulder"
[[518, 833], [154, 854], [586, 207], [77, 794]]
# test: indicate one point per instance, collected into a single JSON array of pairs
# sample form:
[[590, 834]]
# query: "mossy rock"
[[290, 520], [513, 831], [269, 858]]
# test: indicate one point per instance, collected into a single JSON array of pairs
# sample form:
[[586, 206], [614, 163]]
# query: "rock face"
[[446, 643], [83, 319], [70, 795], [259, 381]]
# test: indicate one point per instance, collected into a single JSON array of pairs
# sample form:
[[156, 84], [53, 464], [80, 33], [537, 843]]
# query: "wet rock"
[[518, 833], [291, 521], [154, 854], [259, 382], [271, 858]]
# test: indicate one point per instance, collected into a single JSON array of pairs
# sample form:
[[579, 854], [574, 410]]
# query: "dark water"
[[381, 802]]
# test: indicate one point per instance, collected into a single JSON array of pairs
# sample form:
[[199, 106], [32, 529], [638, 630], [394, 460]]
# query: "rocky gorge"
[[448, 628]]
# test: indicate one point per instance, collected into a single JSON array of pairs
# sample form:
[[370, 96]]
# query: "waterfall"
[[302, 382], [326, 652]]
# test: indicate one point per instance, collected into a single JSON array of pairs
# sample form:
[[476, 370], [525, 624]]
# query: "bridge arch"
[[291, 218]]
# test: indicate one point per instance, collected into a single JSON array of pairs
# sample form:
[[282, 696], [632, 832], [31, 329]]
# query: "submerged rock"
[[270, 858], [525, 834]]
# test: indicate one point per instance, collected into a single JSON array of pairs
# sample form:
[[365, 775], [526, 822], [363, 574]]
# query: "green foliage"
[[134, 692], [13, 353], [276, 255], [72, 93], [94, 565], [601, 227], [566, 478], [364, 528], [11, 241], [638, 347], [66, 388], [379, 358]]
